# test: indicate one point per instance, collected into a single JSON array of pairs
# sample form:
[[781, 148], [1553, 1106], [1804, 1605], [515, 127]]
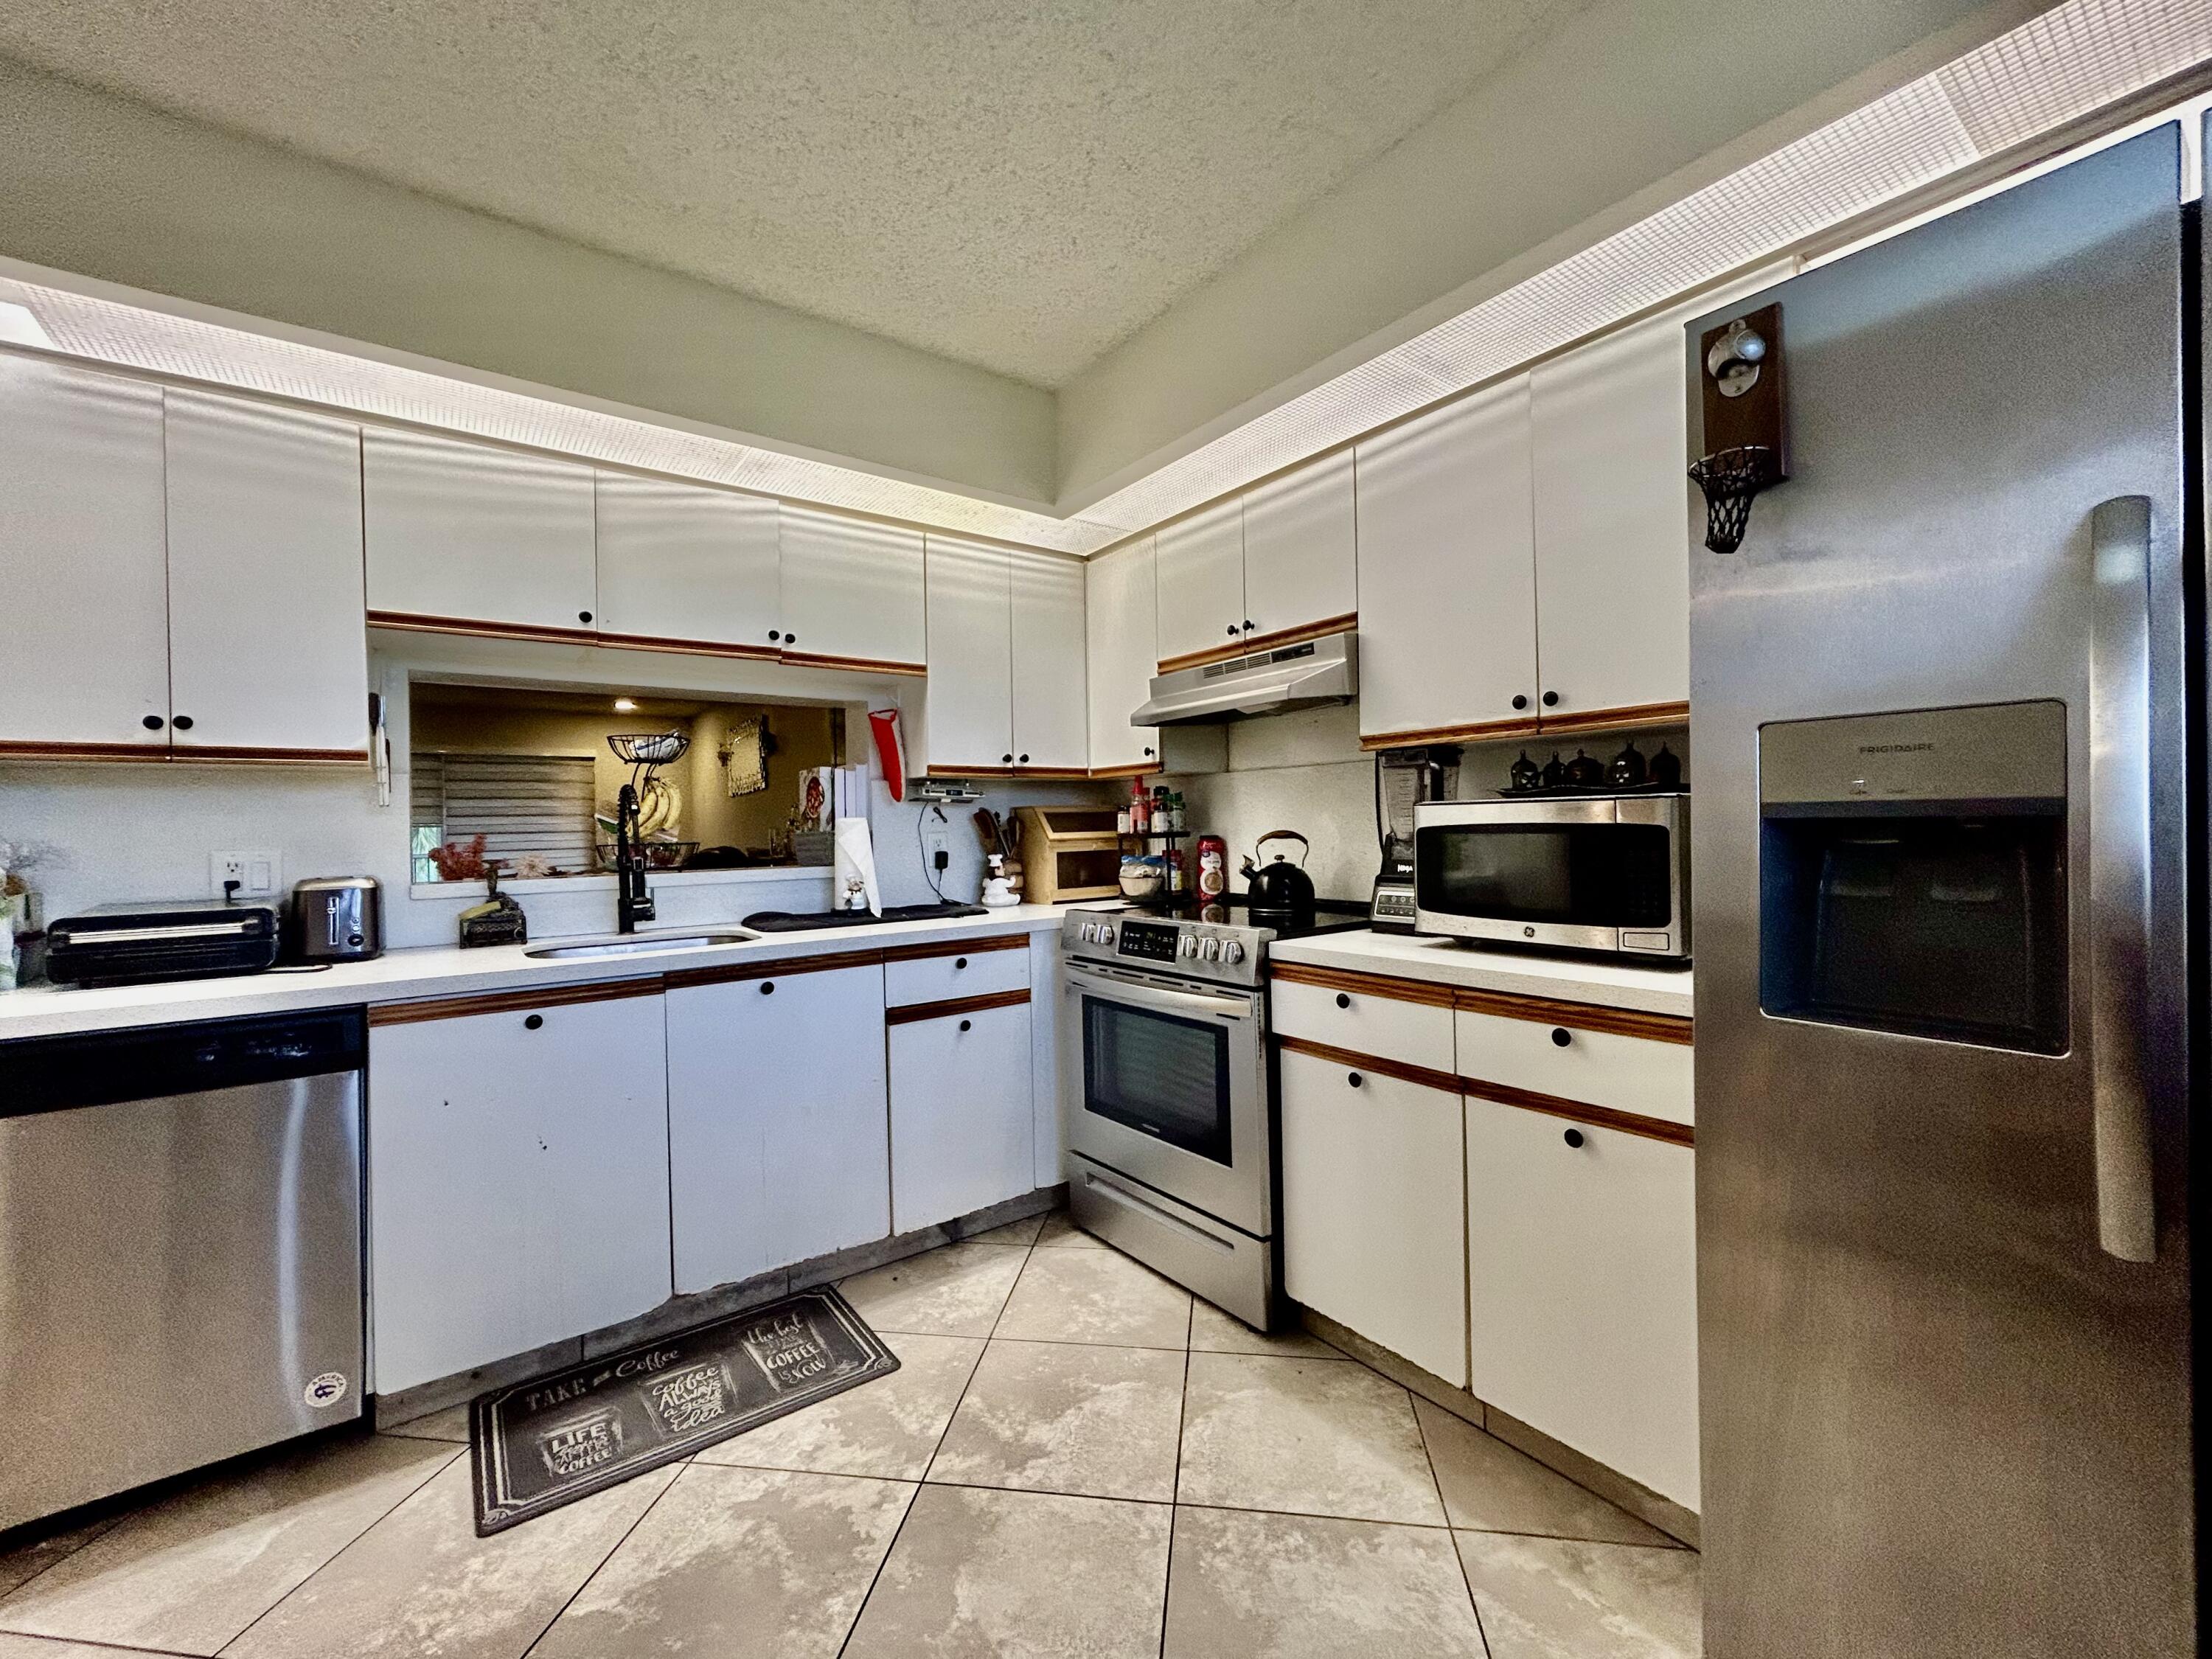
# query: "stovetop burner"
[[1237, 910]]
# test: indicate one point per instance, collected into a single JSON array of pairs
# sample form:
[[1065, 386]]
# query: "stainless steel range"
[[1169, 1090]]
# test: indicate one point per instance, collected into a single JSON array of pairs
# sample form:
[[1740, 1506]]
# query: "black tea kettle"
[[1279, 888]]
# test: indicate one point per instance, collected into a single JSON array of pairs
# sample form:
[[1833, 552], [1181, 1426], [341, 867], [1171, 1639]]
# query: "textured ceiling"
[[1015, 186]]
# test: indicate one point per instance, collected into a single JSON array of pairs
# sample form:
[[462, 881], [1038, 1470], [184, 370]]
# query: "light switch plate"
[[259, 874]]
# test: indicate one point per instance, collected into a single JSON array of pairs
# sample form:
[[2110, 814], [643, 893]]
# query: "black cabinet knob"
[[959, 962], [775, 633], [152, 722], [1573, 1136], [1550, 699], [790, 639], [1520, 700], [583, 615], [1025, 760], [767, 988], [1342, 1000], [1232, 630], [182, 722], [967, 1025], [1006, 759], [1561, 1036], [533, 1022], [1148, 753], [1249, 624], [1354, 1078]]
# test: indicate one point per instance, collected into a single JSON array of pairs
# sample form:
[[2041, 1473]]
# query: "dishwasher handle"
[[99, 1069]]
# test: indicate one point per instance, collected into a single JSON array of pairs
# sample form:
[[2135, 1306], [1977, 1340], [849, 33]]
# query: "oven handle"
[[1141, 995]]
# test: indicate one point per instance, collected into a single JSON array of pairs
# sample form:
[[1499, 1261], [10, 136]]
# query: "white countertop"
[[1447, 962], [447, 970]]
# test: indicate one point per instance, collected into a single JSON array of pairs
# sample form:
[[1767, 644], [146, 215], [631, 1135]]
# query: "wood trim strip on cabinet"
[[858, 665], [956, 947], [1601, 1117], [689, 647], [968, 772], [1576, 1016], [1274, 641], [782, 968], [1070, 772], [241, 757], [501, 1002], [1522, 725], [151, 755], [408, 621], [1051, 772], [1375, 985], [913, 1011], [1141, 770], [1402, 1070], [1616, 719]]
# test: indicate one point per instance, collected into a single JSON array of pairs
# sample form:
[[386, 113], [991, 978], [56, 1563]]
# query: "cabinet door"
[[1301, 562], [680, 562], [268, 649], [82, 560], [518, 1182], [1583, 1289], [852, 590], [1375, 1209], [971, 692], [778, 1146], [1447, 570], [1121, 638], [469, 533], [962, 1136], [1200, 563], [1609, 437], [1051, 711]]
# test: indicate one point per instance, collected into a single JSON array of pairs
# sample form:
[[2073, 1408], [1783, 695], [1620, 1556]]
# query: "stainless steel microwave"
[[1578, 872]]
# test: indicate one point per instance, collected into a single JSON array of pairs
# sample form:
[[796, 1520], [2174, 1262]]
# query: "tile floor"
[[1074, 1459]]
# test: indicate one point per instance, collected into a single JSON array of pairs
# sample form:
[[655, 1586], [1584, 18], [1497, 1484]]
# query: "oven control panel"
[[1190, 950], [1149, 941]]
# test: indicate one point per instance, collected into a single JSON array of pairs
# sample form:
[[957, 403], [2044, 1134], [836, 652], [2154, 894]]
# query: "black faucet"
[[633, 898]]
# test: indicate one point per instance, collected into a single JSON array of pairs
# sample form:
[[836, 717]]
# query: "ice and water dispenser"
[[1912, 873]]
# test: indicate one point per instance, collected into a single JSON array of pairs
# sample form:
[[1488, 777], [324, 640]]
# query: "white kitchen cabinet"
[[82, 561], [682, 563], [853, 591], [1609, 451], [962, 1134], [1199, 562], [461, 533], [1583, 1289], [1300, 548], [1121, 638], [1375, 1209], [971, 718], [1051, 711], [779, 1147], [1447, 568], [264, 538], [518, 1181]]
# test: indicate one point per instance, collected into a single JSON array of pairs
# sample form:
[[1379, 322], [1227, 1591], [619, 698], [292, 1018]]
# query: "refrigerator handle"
[[2119, 873]]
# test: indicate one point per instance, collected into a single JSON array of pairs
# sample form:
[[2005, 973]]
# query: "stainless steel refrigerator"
[[1941, 701]]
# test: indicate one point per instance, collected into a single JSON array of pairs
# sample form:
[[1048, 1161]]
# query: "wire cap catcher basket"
[[1731, 478]]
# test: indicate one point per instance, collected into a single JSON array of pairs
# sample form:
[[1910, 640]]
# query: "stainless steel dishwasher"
[[181, 1249]]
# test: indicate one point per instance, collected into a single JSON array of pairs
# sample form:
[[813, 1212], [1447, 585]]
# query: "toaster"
[[337, 919]]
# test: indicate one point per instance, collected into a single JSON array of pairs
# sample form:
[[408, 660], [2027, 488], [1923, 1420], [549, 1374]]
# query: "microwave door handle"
[[2119, 873]]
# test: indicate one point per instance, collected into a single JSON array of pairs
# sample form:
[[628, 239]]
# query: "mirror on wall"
[[523, 780]]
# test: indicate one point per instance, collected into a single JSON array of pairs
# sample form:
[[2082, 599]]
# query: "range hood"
[[1304, 676]]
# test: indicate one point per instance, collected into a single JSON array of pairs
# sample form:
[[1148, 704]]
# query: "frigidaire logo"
[[1895, 748]]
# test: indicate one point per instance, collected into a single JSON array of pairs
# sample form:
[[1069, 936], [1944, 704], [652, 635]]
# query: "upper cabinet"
[[1199, 565], [1447, 571], [188, 568], [1051, 727], [266, 547], [1301, 566], [852, 593], [462, 532], [1123, 650], [684, 567], [1609, 432]]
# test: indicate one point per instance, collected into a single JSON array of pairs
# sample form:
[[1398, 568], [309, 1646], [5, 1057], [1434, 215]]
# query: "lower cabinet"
[[518, 1178], [1374, 1219], [776, 1097], [962, 1136], [1582, 1249]]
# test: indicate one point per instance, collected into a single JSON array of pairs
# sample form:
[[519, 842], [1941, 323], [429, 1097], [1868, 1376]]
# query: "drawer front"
[[1641, 1075], [1418, 1033], [947, 979]]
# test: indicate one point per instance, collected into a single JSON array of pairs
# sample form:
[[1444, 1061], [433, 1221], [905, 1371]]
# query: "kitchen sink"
[[635, 944]]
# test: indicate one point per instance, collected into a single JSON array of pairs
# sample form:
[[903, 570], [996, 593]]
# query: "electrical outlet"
[[936, 845], [259, 874]]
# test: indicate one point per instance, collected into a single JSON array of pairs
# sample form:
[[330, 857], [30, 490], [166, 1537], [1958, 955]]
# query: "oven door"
[[1601, 874], [1169, 1085]]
